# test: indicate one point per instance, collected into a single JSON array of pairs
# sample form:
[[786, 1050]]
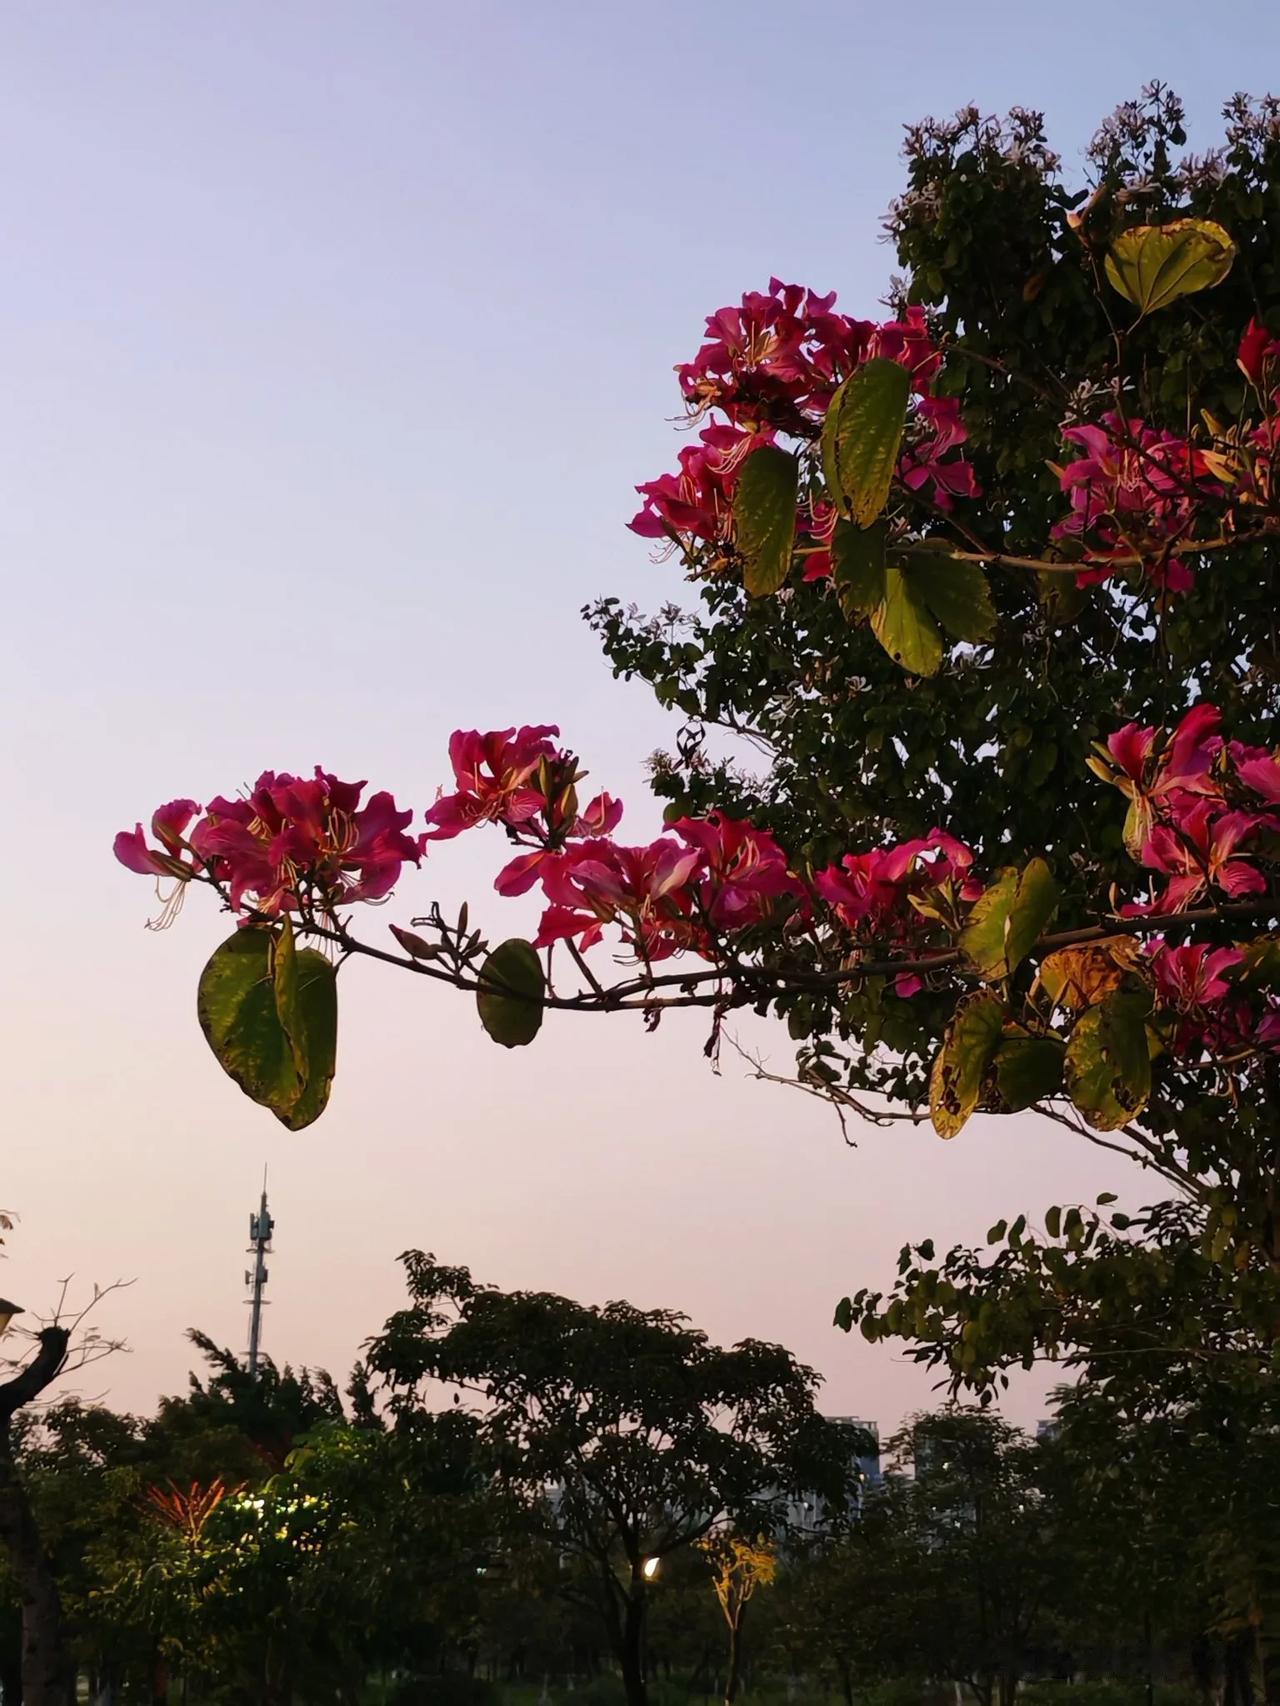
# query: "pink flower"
[[1200, 849], [909, 344], [697, 503], [1260, 773], [599, 819], [774, 361], [1133, 494], [1192, 977], [563, 923], [645, 889], [492, 772], [169, 826], [875, 888], [299, 840], [1259, 357], [922, 463], [744, 869]]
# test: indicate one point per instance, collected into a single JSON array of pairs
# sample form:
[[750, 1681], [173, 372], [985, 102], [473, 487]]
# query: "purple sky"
[[335, 339]]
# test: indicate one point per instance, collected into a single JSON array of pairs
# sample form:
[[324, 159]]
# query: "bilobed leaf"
[[967, 1049], [1107, 1071], [1082, 976], [269, 1013], [1153, 265], [857, 567], [511, 1006], [284, 979], [1008, 919], [764, 517], [904, 627], [861, 438], [954, 592], [1027, 1070], [317, 1014]]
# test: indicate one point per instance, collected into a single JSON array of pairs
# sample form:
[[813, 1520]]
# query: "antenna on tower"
[[261, 1226]]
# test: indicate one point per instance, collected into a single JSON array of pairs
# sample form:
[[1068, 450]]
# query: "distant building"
[[805, 1514]]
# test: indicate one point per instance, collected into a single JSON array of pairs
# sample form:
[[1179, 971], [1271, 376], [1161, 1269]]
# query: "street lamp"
[[649, 1568], [7, 1312]]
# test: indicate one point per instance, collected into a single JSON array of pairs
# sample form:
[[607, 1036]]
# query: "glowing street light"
[[649, 1568]]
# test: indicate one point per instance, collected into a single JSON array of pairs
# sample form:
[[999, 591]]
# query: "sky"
[[335, 338]]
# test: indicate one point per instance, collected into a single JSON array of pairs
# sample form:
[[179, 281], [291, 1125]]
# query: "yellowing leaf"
[[1082, 976], [1107, 1070], [972, 1037], [1153, 265], [904, 626]]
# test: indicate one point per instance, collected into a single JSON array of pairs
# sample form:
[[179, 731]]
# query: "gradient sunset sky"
[[335, 339]]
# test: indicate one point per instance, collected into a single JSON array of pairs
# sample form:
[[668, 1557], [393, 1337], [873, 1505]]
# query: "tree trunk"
[[1268, 1665], [632, 1654], [47, 1675], [734, 1676], [1238, 1667]]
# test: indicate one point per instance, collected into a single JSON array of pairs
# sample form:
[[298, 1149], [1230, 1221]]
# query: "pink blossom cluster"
[[889, 894], [292, 842], [772, 365], [696, 503], [1134, 493], [1204, 812], [776, 359], [710, 873], [702, 879], [1199, 985]]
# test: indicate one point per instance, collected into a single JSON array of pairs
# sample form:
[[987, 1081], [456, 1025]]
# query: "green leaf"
[[857, 564], [1107, 1070], [285, 987], [844, 1315], [904, 626], [967, 1049], [1008, 919], [955, 593], [511, 1010], [317, 1011], [1152, 265], [764, 517], [269, 1012], [862, 435], [1027, 1070], [1053, 1221]]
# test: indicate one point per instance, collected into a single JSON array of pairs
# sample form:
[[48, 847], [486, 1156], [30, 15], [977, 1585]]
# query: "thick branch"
[[44, 1368]]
